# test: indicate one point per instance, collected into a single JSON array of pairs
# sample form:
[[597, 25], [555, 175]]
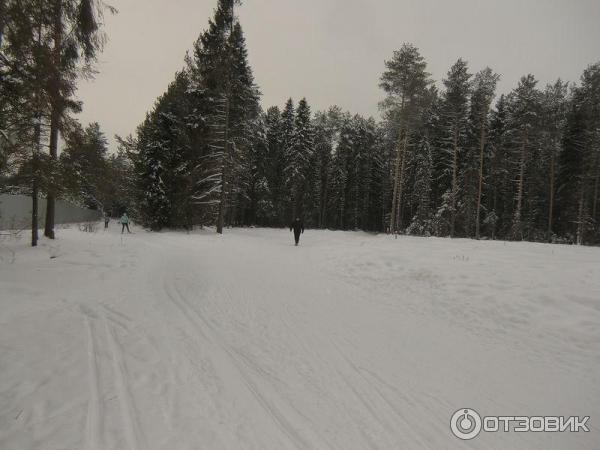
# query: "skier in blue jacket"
[[124, 223]]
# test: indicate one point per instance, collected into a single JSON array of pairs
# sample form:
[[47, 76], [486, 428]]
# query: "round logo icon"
[[465, 423]]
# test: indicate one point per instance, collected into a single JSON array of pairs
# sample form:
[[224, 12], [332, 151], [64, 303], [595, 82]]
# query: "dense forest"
[[454, 158]]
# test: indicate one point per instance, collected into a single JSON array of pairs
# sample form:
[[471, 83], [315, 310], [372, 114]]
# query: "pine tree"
[[483, 90], [327, 126], [73, 27], [498, 217], [524, 112], [24, 65], [578, 176], [405, 82], [455, 104]]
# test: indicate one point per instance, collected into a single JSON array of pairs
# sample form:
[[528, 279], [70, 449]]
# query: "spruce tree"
[[299, 157], [287, 135], [219, 65], [84, 166], [275, 163], [554, 109]]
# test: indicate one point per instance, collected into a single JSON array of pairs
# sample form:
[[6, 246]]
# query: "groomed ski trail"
[[155, 341]]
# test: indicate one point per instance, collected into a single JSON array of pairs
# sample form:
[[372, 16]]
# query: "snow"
[[349, 341]]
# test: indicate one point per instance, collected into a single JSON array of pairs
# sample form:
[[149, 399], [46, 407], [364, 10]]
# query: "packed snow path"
[[349, 341]]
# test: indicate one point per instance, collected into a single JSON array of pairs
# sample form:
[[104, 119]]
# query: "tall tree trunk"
[[231, 206], [454, 181], [401, 183], [35, 169], [581, 215], [517, 229], [34, 211], [393, 213], [55, 114], [551, 195], [595, 205], [35, 182], [2, 19], [342, 209], [295, 198], [323, 208], [356, 196], [396, 180], [596, 190], [224, 171], [481, 148], [51, 197], [225, 168]]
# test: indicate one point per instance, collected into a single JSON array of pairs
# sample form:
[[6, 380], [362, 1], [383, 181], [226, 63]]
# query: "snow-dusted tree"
[[298, 157], [288, 118], [483, 91], [275, 163], [360, 171], [500, 183], [454, 126], [554, 109], [84, 166], [326, 126], [220, 66], [255, 196], [421, 223], [405, 82], [355, 174], [338, 179], [154, 206], [579, 174], [524, 114]]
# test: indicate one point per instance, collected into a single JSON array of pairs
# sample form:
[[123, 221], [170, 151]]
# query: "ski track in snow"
[[94, 423], [155, 341]]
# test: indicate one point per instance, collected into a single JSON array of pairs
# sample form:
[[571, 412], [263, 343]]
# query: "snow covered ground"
[[349, 341]]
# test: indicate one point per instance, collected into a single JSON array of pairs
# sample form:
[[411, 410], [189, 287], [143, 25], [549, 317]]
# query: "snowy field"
[[243, 341]]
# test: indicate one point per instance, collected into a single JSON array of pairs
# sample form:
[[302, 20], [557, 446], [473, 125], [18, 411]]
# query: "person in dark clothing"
[[106, 220], [298, 227]]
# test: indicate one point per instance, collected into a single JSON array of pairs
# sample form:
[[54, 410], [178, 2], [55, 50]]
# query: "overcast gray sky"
[[333, 51]]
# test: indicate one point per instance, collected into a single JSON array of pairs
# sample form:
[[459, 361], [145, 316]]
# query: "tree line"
[[454, 159], [457, 161]]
